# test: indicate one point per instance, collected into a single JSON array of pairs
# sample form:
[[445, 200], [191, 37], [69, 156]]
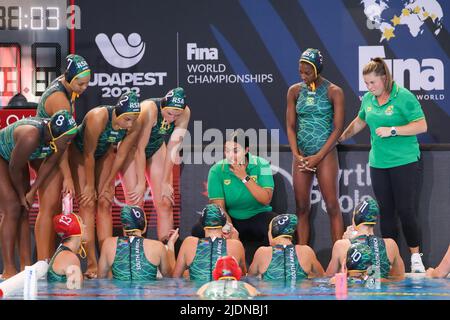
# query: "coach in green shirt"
[[394, 117], [242, 184]]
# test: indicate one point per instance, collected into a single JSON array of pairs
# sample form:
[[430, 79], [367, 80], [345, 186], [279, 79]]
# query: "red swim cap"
[[227, 267], [67, 225]]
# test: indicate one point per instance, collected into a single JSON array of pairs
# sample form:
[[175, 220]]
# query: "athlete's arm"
[[27, 140], [125, 146], [57, 101], [48, 165], [181, 264], [172, 155], [168, 255], [236, 249], [251, 289], [254, 267], [68, 186], [443, 269], [337, 99], [146, 120], [397, 267], [95, 123], [105, 261], [315, 267], [337, 257], [291, 127]]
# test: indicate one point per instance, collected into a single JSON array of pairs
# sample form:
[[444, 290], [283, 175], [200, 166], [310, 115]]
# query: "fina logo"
[[119, 52]]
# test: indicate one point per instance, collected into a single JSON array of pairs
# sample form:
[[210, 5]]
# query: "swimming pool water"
[[412, 288]]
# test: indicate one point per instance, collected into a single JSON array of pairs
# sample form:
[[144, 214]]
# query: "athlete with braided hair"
[[315, 120]]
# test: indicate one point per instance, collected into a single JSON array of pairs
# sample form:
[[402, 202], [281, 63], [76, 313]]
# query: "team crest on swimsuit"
[[389, 110], [310, 101], [369, 108], [227, 182]]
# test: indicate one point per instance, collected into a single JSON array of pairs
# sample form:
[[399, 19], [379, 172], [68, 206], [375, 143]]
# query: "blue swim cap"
[[175, 99], [77, 67], [62, 123], [213, 217], [283, 225], [366, 212], [133, 218], [128, 103], [314, 58]]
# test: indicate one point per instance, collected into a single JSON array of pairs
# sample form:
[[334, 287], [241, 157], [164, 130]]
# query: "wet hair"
[[380, 68]]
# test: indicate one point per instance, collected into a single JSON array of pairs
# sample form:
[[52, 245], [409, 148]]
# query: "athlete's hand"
[[68, 187], [107, 192], [311, 162], [27, 200], [350, 233], [301, 165], [167, 191], [137, 195], [230, 232], [87, 195], [430, 273], [173, 236], [383, 132]]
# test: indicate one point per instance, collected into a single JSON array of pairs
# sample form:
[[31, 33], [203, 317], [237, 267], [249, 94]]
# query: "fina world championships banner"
[[236, 59]]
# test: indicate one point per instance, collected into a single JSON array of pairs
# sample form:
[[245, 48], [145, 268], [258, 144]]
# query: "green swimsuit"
[[284, 265], [159, 132], [314, 118], [206, 255], [7, 142], [108, 136], [55, 86], [385, 265], [52, 276], [130, 262]]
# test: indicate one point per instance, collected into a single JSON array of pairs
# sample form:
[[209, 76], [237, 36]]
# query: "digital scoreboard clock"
[[34, 41]]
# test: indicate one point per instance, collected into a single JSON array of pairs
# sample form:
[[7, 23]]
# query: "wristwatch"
[[393, 131], [246, 179]]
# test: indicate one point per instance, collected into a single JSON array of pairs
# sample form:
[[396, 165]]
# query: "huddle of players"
[[128, 138], [215, 260]]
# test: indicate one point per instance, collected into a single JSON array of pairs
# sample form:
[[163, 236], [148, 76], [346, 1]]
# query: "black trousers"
[[252, 232], [396, 192]]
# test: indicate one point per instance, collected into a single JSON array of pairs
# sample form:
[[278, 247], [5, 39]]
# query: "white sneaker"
[[416, 263]]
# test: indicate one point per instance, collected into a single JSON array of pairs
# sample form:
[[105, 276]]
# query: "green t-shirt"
[[401, 108], [239, 202]]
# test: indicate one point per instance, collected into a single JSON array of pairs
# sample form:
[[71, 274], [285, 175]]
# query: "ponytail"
[[380, 68]]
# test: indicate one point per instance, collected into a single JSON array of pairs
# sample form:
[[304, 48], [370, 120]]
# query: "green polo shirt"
[[239, 202], [401, 108]]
